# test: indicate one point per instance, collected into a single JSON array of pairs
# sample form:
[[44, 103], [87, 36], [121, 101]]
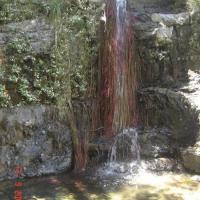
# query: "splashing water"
[[125, 146], [124, 156], [119, 82]]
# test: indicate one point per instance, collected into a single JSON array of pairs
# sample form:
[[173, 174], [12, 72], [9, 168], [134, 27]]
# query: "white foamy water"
[[125, 146], [121, 19], [124, 156]]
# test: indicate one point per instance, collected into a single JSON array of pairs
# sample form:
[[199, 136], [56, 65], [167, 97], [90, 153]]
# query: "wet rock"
[[156, 142], [179, 110], [162, 165], [191, 158], [43, 145], [171, 19], [158, 5], [167, 36], [191, 91], [195, 40], [164, 107]]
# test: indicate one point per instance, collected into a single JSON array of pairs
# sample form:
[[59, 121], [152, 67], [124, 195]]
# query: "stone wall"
[[35, 138], [164, 31]]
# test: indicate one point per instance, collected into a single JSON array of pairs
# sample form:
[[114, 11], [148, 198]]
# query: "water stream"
[[125, 146], [145, 186], [119, 79]]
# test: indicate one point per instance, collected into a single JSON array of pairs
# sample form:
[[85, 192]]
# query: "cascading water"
[[124, 156], [119, 75], [119, 82], [125, 146]]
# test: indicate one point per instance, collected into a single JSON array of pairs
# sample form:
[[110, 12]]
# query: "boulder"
[[156, 143], [191, 90], [161, 107]]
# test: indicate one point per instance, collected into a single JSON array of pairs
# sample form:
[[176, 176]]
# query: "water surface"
[[143, 186]]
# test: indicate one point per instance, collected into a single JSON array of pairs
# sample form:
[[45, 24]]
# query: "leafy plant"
[[67, 72]]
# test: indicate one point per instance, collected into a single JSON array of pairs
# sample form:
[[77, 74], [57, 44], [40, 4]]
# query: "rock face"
[[191, 154], [34, 138], [163, 107], [163, 40], [191, 158], [168, 40], [167, 37], [157, 143]]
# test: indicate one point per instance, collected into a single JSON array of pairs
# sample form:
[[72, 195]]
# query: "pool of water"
[[143, 186]]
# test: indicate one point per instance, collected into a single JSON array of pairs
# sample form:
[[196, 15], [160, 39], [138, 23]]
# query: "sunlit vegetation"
[[74, 51], [61, 73], [66, 71]]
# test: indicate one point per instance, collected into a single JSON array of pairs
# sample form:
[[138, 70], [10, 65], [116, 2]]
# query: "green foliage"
[[193, 4], [76, 45], [57, 76], [4, 96], [30, 78], [73, 50], [16, 10]]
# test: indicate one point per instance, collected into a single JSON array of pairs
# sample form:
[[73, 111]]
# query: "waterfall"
[[125, 146], [119, 77], [124, 156], [118, 86]]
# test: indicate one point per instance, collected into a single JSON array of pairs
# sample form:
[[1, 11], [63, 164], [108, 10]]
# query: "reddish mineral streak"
[[80, 156], [118, 70], [118, 80]]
